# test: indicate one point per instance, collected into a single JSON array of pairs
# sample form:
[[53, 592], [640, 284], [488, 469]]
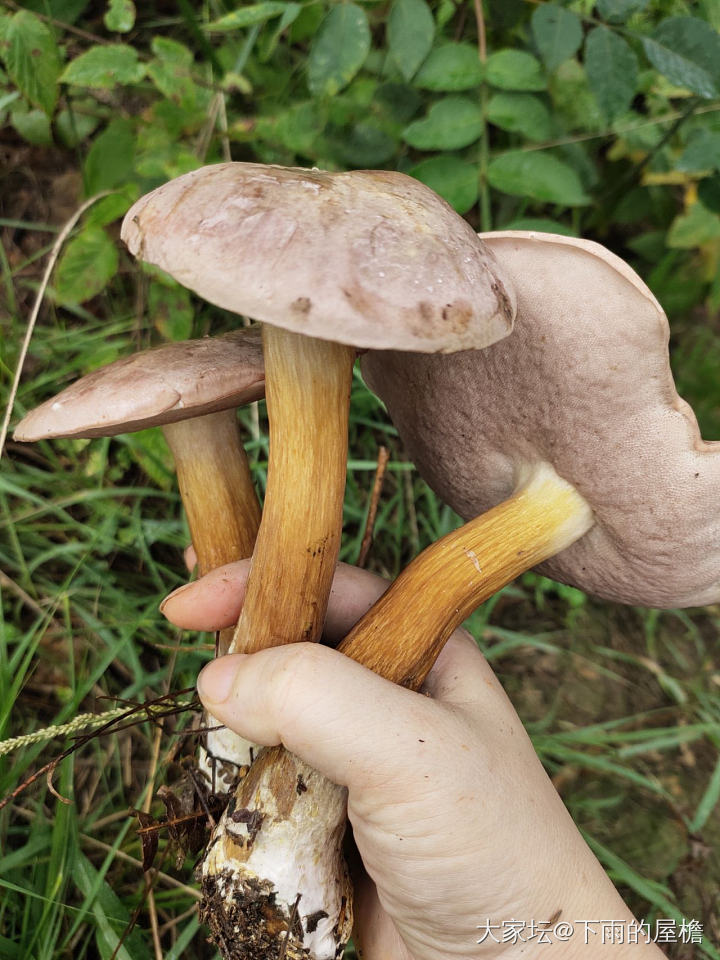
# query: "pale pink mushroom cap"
[[584, 383], [176, 381], [370, 258]]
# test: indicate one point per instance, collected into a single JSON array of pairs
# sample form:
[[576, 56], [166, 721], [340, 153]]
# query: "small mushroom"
[[330, 262], [191, 389]]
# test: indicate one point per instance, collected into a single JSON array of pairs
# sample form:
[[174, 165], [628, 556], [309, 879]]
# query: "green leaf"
[[248, 16], [32, 59], [617, 11], [105, 67], [73, 125], [515, 70], [89, 262], [32, 125], [171, 311], [111, 916], [410, 32], [450, 124], [557, 32], [449, 68], [452, 178], [367, 146], [687, 51], [709, 193], [694, 228], [338, 50], [67, 11], [702, 152], [612, 71], [540, 225], [520, 113], [120, 16], [114, 206], [170, 72], [538, 176], [110, 158]]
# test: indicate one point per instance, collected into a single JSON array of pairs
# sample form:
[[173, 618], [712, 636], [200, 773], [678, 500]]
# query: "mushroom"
[[330, 262], [552, 431], [191, 389], [587, 389]]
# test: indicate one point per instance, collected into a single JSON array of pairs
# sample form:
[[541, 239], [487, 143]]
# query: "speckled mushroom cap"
[[370, 258], [173, 382], [584, 383]]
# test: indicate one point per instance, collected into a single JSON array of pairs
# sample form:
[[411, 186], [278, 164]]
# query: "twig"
[[54, 254], [6, 581], [382, 462]]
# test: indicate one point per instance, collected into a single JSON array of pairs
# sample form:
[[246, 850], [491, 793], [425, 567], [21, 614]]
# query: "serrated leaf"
[[538, 176], [338, 50], [104, 67], [410, 32], [89, 262], [612, 71], [248, 16], [520, 113], [32, 59], [451, 123], [515, 70], [110, 157], [617, 11], [450, 67], [702, 152], [453, 179], [120, 16], [557, 32], [686, 51], [170, 72]]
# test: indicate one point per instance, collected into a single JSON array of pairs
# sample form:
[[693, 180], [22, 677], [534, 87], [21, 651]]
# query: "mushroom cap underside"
[[370, 258], [584, 383], [176, 381]]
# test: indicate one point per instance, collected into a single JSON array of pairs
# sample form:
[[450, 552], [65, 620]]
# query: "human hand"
[[453, 816]]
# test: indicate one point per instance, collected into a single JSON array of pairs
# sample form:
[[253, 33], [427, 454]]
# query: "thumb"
[[350, 724]]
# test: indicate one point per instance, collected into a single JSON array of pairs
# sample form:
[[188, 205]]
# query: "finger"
[[358, 729], [214, 601], [461, 674]]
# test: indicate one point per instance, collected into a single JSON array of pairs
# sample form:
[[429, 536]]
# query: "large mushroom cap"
[[584, 383], [173, 382], [369, 258]]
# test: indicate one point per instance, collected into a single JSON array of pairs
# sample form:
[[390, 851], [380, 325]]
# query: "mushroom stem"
[[463, 569], [217, 491], [277, 853], [307, 384], [223, 514]]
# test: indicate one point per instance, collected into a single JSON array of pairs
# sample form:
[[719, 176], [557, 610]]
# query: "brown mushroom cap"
[[373, 259], [173, 382], [584, 383]]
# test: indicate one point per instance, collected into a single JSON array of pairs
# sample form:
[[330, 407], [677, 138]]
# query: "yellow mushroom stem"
[[223, 513], [307, 388], [217, 491], [271, 871]]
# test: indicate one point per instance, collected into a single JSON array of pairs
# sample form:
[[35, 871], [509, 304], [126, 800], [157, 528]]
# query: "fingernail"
[[175, 593], [215, 680]]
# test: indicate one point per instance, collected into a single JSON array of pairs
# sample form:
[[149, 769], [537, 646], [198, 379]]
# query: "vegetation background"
[[598, 118]]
